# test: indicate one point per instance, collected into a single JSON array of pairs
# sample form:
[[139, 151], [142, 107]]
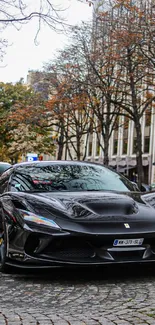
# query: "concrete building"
[[122, 143], [41, 82], [122, 155], [121, 148]]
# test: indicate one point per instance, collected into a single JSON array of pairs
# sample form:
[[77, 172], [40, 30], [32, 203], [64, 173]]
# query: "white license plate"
[[128, 242]]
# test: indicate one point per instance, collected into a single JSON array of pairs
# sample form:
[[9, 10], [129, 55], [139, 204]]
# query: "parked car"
[[4, 166], [152, 187], [68, 213], [145, 187]]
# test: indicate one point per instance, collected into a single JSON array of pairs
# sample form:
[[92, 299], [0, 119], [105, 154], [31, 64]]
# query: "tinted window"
[[4, 180], [4, 167], [37, 177]]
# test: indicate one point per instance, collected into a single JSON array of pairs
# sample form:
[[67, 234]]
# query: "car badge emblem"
[[126, 225]]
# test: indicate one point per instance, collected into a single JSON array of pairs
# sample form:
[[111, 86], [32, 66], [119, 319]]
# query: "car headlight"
[[40, 220]]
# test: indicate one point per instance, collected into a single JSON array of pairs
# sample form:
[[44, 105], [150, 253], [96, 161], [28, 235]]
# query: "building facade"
[[122, 155]]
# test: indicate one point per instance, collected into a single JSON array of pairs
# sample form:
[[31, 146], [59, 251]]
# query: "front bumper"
[[35, 248]]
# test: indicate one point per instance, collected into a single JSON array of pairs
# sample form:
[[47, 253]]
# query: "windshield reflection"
[[68, 177]]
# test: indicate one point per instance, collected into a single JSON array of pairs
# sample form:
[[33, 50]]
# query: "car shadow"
[[86, 274]]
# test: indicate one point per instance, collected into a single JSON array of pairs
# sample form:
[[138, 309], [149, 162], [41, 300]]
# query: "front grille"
[[71, 248], [127, 255], [85, 248], [73, 253]]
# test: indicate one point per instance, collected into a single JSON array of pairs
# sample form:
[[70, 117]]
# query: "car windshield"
[[68, 177]]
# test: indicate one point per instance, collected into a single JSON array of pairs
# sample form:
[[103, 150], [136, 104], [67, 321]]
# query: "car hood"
[[83, 206]]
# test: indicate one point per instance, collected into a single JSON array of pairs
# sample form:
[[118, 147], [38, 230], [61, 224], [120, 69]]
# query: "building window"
[[125, 146], [97, 147], [147, 130], [148, 117], [115, 146], [125, 135], [115, 138], [146, 144], [115, 142], [90, 146], [90, 149]]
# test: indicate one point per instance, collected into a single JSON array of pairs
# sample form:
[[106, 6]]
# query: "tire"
[[3, 248]]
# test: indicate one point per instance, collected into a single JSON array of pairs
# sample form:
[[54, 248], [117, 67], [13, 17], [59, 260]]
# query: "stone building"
[[122, 155], [122, 151]]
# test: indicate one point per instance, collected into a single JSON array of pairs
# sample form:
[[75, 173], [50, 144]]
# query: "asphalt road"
[[108, 296]]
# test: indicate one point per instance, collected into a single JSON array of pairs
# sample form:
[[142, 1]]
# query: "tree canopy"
[[19, 131]]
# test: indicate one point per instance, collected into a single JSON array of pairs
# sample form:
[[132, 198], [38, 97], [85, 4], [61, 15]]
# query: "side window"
[[4, 180]]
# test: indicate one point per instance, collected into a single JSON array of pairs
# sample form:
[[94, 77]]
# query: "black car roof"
[[51, 162]]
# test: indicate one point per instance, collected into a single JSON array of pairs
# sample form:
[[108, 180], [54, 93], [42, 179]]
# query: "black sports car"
[[63, 213]]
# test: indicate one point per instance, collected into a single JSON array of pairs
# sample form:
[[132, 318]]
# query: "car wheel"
[[3, 248]]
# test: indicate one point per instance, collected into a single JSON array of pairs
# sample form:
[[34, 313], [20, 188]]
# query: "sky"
[[23, 54]]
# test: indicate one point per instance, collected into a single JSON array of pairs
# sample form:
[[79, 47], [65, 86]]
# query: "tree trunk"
[[106, 150], [106, 137], [78, 148], [85, 148], [60, 151], [139, 153], [136, 118], [60, 144]]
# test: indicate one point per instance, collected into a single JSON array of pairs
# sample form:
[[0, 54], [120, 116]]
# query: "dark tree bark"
[[61, 141]]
